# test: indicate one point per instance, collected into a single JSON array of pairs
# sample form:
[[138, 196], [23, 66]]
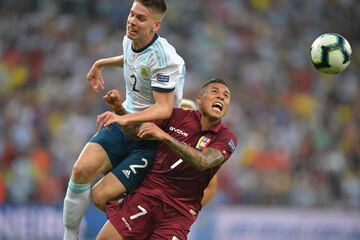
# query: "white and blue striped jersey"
[[155, 67]]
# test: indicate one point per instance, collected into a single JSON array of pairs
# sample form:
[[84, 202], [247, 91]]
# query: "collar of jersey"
[[146, 46], [214, 128]]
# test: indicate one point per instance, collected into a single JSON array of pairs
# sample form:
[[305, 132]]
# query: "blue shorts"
[[131, 159]]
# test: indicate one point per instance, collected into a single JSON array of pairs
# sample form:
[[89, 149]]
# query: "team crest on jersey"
[[203, 142], [144, 72]]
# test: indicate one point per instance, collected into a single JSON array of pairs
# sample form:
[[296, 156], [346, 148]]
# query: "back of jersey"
[[155, 67]]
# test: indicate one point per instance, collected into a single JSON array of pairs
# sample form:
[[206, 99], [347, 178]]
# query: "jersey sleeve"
[[225, 142], [164, 79], [166, 67]]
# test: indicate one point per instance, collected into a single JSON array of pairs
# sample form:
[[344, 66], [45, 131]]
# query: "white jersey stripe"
[[163, 54], [176, 163]]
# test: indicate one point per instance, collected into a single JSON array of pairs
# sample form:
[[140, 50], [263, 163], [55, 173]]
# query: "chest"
[[137, 75], [138, 64], [190, 134], [171, 163]]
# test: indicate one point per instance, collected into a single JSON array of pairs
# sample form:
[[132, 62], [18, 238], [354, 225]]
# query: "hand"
[[113, 99], [150, 130], [95, 79], [107, 118]]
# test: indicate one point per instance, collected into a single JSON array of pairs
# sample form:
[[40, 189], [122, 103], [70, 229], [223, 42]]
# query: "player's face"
[[141, 25], [215, 100]]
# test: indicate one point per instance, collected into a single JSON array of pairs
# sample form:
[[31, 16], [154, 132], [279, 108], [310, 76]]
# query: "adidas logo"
[[126, 172]]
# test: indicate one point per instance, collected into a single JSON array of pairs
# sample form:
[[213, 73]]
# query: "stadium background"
[[296, 172]]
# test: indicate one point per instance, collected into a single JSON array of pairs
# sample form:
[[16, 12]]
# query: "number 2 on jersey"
[[134, 85]]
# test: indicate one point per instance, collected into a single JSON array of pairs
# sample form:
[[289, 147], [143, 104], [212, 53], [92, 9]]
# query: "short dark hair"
[[215, 80], [157, 5]]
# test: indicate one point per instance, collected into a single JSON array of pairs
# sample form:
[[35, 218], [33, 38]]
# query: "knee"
[[92, 161], [80, 173], [98, 199]]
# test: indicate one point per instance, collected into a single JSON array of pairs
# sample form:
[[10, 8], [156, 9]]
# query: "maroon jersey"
[[173, 180]]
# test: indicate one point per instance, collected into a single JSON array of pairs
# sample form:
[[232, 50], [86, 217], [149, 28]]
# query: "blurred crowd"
[[299, 130]]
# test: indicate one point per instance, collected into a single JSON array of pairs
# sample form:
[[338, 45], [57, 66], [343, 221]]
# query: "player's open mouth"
[[130, 29], [218, 106]]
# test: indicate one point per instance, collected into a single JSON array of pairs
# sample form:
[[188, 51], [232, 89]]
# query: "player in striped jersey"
[[154, 79]]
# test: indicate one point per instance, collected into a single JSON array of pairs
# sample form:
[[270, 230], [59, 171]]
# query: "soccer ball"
[[330, 53]]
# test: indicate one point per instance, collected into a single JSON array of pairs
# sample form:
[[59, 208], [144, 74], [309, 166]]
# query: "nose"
[[220, 97], [131, 20]]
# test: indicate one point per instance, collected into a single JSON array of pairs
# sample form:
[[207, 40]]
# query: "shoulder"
[[164, 54], [224, 136], [182, 116], [224, 141], [126, 41], [229, 133], [179, 112]]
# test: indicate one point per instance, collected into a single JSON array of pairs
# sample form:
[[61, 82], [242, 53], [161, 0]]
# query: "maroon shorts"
[[142, 217]]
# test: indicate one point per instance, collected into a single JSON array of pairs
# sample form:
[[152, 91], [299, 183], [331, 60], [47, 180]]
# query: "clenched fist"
[[113, 99]]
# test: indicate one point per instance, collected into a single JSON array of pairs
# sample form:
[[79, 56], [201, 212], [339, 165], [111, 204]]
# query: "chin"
[[130, 36], [215, 117]]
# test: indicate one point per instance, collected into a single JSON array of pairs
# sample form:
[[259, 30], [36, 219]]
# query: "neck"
[[206, 122], [142, 43]]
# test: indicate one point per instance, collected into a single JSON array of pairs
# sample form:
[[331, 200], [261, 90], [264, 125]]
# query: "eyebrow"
[[226, 91], [138, 15]]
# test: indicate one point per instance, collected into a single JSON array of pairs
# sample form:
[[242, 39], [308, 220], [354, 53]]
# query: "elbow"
[[197, 165], [166, 112], [207, 162]]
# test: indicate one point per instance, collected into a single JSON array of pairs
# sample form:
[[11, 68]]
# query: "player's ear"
[[156, 26], [198, 100]]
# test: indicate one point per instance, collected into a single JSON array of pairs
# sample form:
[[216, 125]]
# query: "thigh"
[[92, 161], [135, 166], [108, 231], [132, 217], [173, 225], [108, 188], [114, 141]]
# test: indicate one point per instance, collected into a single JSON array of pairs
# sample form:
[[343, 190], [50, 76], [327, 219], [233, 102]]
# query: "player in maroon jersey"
[[194, 144], [107, 188], [211, 189]]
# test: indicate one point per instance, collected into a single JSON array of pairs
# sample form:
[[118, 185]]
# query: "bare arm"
[[201, 161], [210, 191], [160, 110], [113, 100], [117, 61], [94, 77]]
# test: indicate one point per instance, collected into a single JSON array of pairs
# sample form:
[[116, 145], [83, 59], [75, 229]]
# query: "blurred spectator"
[[299, 131]]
